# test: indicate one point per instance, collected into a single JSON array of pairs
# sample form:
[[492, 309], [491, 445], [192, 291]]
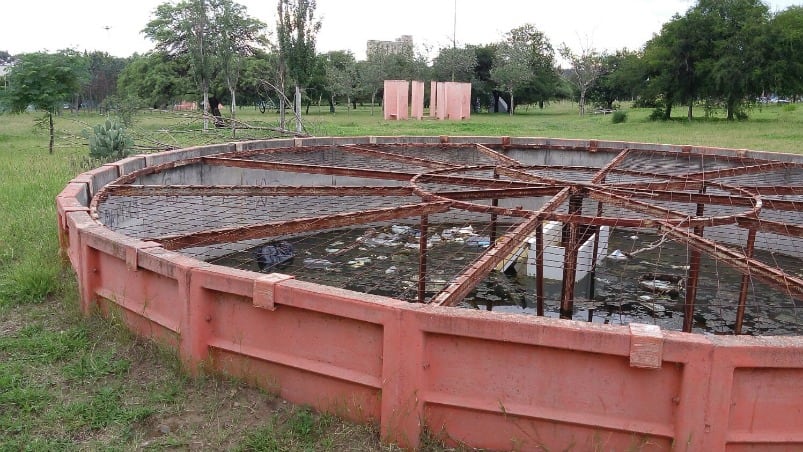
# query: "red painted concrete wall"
[[395, 102], [470, 377]]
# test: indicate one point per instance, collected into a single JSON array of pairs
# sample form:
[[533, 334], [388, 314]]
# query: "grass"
[[74, 383]]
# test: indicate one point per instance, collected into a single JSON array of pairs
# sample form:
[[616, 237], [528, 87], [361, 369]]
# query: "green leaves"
[[44, 80], [109, 140]]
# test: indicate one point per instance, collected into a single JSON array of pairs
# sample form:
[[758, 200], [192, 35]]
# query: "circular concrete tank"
[[504, 293]]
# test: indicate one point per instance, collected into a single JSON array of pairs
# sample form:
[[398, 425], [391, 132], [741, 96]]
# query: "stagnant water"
[[384, 260], [619, 298]]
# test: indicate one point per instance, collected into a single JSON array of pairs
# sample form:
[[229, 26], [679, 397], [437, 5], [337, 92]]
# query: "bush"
[[658, 114], [109, 140], [619, 117]]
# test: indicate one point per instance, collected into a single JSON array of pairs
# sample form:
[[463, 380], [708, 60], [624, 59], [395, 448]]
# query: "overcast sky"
[[115, 26]]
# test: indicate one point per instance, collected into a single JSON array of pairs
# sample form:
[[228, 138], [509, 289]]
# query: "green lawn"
[[67, 382]]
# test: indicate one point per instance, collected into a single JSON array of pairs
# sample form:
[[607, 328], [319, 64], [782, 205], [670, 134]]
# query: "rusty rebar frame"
[[520, 182]]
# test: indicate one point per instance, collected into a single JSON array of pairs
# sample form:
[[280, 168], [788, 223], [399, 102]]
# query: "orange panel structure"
[[470, 377]]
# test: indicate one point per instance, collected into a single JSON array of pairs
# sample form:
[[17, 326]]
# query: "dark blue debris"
[[275, 256], [480, 242]]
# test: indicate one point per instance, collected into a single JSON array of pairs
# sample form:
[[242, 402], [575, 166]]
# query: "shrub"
[[109, 140], [658, 114], [619, 117]]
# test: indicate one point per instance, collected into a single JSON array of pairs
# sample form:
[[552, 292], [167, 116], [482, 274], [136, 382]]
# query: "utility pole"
[[454, 39]]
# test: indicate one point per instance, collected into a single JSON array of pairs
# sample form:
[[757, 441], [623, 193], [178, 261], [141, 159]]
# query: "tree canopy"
[[719, 54], [45, 82]]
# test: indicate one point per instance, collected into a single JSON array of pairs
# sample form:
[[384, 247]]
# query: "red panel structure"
[[395, 103], [442, 108], [470, 377], [433, 99], [417, 102], [458, 100]]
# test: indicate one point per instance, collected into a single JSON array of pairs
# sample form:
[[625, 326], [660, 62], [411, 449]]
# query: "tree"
[[735, 53], [455, 64], [46, 82], [671, 60], [237, 37], [586, 68], [5, 57], [155, 78], [482, 84], [184, 29], [254, 69], [622, 76], [510, 70], [104, 71], [540, 58], [341, 76], [525, 63], [296, 30], [786, 51], [372, 73]]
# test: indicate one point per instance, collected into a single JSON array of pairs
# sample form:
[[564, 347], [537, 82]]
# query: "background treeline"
[[721, 54]]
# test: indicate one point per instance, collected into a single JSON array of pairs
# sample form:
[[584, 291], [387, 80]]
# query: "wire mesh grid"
[[693, 242]]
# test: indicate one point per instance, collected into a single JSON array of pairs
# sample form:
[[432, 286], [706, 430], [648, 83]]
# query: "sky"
[[115, 26]]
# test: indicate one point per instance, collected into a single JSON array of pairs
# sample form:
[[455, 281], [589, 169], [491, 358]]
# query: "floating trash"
[[481, 242], [396, 229], [383, 239], [274, 255], [317, 264], [653, 307], [618, 255], [662, 284]]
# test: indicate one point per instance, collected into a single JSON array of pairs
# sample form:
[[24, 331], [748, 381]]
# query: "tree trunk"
[[233, 113], [373, 97], [281, 112], [332, 104], [511, 106], [299, 127], [582, 103], [689, 113], [348, 102], [206, 108], [52, 132]]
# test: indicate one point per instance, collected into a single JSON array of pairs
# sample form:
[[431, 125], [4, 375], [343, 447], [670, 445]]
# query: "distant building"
[[402, 44]]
